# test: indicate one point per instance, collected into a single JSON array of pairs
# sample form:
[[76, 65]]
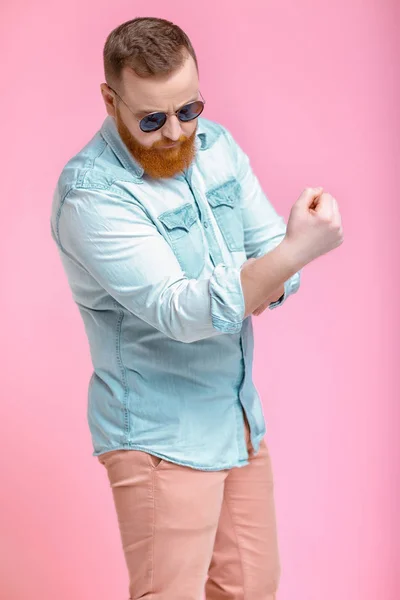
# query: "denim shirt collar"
[[110, 134]]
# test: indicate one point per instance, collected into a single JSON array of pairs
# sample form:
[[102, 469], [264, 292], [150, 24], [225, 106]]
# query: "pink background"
[[324, 75]]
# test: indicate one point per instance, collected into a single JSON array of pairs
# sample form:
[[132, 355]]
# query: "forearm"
[[263, 278]]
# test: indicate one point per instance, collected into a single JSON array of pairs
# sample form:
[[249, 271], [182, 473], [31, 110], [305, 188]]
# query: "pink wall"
[[325, 76]]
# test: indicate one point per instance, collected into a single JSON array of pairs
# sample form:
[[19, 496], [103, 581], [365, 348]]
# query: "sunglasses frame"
[[158, 112]]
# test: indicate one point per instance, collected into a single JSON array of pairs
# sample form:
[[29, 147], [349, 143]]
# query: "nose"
[[172, 128]]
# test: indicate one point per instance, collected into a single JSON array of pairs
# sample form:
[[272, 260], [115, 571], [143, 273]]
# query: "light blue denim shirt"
[[154, 268]]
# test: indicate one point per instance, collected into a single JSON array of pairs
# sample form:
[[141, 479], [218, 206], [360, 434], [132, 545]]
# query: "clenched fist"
[[315, 225]]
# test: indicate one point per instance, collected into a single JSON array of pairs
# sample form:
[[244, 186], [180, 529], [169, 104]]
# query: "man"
[[170, 246]]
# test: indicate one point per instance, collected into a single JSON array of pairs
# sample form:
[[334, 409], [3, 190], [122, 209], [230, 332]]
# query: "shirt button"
[[206, 224]]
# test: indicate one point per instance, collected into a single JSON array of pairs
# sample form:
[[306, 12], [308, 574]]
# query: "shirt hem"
[[240, 463]]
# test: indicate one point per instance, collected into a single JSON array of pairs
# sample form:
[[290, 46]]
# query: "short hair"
[[148, 45]]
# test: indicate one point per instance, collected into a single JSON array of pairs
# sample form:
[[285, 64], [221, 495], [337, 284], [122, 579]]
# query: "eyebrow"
[[149, 111]]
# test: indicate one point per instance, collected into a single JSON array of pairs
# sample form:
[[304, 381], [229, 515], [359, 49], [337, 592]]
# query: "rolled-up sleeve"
[[227, 300], [290, 287], [113, 239], [264, 228]]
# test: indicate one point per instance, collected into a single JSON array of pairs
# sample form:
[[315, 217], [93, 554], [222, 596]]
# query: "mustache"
[[166, 142]]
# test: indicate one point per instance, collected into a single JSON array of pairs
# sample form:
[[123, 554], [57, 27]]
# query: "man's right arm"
[[261, 277], [114, 240]]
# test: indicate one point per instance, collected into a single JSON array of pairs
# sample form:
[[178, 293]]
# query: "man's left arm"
[[264, 228]]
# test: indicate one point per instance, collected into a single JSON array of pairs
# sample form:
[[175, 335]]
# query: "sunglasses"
[[156, 120]]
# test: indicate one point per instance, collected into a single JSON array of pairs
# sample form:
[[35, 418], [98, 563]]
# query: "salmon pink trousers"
[[186, 532]]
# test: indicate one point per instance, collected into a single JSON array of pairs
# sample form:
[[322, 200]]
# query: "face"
[[171, 149]]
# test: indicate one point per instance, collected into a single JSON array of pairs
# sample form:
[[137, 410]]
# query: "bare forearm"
[[274, 298], [263, 278]]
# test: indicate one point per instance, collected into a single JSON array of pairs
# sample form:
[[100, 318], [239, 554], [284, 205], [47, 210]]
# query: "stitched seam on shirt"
[[58, 216], [175, 462], [122, 368], [225, 328], [89, 167], [232, 182], [226, 323], [239, 428]]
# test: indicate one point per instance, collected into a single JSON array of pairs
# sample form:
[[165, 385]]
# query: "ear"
[[109, 99]]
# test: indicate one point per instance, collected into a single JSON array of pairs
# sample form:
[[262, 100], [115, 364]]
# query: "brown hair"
[[147, 45]]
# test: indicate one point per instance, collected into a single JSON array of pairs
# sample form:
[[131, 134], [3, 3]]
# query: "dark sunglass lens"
[[191, 111], [153, 122]]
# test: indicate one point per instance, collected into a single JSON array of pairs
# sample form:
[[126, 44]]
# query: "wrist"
[[292, 255]]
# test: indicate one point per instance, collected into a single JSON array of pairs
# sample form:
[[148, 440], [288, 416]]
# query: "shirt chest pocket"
[[225, 204], [186, 238]]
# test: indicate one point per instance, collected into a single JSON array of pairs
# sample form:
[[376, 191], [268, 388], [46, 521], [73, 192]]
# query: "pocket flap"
[[182, 217], [227, 193]]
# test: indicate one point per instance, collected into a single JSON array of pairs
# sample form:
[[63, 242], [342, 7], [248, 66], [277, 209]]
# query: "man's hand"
[[273, 298], [314, 225]]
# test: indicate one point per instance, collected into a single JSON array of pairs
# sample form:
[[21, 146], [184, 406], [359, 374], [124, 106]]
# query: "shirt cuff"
[[227, 299], [290, 286]]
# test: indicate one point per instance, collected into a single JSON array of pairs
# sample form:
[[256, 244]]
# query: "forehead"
[[161, 92]]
